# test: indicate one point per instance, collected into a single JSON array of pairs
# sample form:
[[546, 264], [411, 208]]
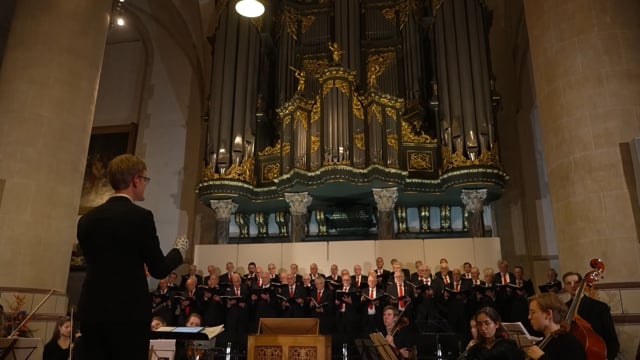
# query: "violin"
[[594, 345]]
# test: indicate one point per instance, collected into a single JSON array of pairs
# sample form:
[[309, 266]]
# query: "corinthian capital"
[[385, 198], [298, 202], [223, 208], [473, 200]]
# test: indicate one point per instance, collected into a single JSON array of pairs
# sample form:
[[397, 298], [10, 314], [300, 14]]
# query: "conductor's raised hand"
[[182, 244]]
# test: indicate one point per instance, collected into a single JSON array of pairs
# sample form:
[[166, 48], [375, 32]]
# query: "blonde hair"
[[122, 169], [551, 301]]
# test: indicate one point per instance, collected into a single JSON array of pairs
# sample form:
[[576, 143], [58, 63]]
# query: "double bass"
[[593, 344]]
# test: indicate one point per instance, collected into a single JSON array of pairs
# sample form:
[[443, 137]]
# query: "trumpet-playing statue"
[[299, 74]]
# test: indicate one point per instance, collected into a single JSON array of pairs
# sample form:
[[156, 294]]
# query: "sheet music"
[[519, 334]]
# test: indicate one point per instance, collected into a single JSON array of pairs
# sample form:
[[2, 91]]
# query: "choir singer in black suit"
[[118, 238]]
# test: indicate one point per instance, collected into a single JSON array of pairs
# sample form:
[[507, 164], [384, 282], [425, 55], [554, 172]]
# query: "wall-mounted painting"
[[106, 143]]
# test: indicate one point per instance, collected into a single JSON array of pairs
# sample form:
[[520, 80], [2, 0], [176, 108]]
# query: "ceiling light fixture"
[[117, 12], [250, 8]]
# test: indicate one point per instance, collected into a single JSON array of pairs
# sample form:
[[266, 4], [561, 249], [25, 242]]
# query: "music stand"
[[438, 345], [367, 349], [18, 348], [162, 349]]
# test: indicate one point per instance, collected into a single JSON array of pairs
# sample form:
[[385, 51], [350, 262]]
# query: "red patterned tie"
[[504, 279], [343, 306], [457, 287], [319, 296], [371, 296], [290, 291], [400, 294]]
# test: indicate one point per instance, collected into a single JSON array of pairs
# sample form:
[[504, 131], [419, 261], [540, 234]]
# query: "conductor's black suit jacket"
[[117, 239]]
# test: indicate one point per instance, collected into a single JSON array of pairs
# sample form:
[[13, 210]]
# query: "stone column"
[[585, 58], [48, 84], [473, 201], [298, 204], [385, 201], [223, 210]]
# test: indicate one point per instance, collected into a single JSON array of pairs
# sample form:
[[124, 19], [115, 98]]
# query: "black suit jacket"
[[384, 277], [117, 239], [363, 281], [497, 278], [199, 281]]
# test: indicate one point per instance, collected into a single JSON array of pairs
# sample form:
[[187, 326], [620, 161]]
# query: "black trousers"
[[115, 340]]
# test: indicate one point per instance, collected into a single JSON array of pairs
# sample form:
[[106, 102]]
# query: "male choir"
[[349, 305]]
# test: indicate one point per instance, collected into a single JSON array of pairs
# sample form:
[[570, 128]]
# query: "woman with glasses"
[[547, 313], [492, 342]]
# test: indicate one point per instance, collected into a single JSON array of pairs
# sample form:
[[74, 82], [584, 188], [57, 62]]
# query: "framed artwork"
[[106, 143]]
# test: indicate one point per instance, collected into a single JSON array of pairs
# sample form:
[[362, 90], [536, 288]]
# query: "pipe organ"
[[336, 100]]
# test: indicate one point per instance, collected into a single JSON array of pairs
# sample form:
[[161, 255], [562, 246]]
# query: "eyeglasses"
[[485, 323], [146, 179]]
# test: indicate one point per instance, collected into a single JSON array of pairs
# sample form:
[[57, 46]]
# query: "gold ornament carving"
[[358, 140], [376, 65], [315, 110], [336, 52], [300, 75], [409, 137], [306, 22], [290, 22], [242, 172], [208, 173], [343, 86], [420, 160], [301, 118], [375, 109], [391, 112], [390, 14], [457, 159], [326, 87], [357, 107], [285, 148], [392, 140], [270, 150], [270, 171], [315, 143], [406, 8]]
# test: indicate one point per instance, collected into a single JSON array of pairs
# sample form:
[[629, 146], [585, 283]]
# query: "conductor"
[[118, 238]]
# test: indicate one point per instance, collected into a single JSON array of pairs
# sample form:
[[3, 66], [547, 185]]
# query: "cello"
[[593, 344]]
